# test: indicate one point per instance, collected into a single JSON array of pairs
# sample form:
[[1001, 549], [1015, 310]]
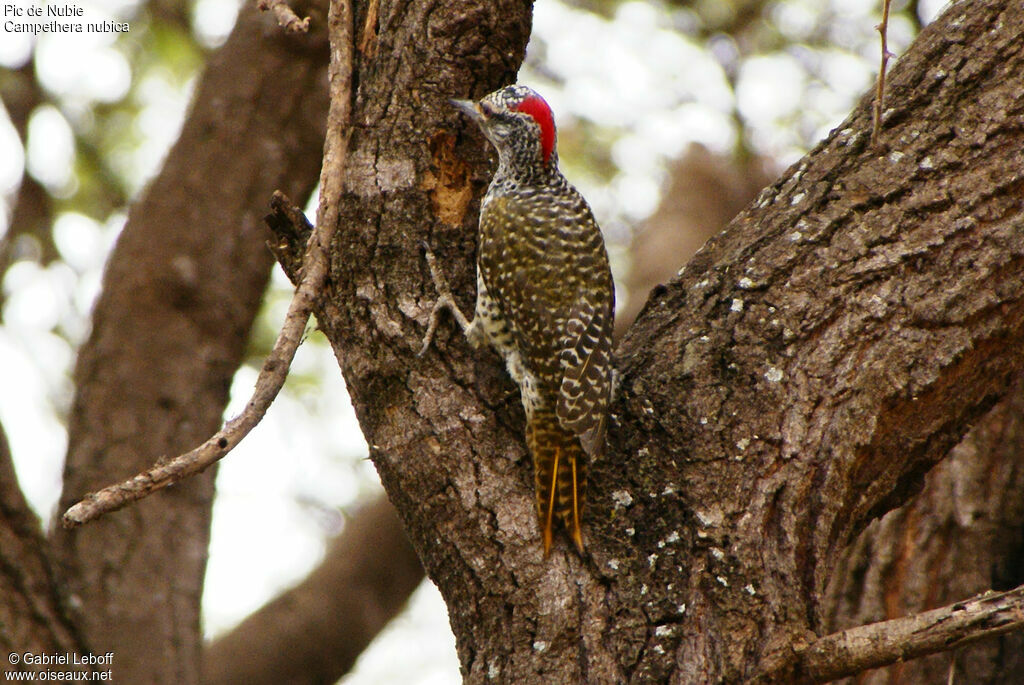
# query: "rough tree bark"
[[962, 535], [180, 292], [807, 369], [906, 562]]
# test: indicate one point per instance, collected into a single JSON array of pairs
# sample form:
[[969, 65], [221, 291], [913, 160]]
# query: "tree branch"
[[32, 208], [285, 15], [32, 613], [181, 290], [314, 632], [959, 537], [268, 384], [876, 110], [275, 368], [879, 644]]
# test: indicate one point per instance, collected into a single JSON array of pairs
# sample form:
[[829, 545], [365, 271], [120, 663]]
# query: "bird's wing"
[[586, 358]]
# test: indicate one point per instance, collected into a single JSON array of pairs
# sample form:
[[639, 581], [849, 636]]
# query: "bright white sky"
[[286, 487]]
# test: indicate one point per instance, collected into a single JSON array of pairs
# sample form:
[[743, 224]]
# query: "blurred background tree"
[[672, 116]]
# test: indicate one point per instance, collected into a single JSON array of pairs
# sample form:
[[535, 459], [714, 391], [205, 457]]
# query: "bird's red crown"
[[536, 107]]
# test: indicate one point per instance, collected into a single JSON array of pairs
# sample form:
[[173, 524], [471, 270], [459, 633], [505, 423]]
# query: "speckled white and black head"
[[520, 125]]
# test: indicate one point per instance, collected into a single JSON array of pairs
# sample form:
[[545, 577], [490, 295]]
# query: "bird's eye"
[[487, 109]]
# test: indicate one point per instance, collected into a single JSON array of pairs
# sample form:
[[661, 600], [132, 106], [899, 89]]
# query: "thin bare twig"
[[878, 644], [286, 17], [883, 32], [275, 367]]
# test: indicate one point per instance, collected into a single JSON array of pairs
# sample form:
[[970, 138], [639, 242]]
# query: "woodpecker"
[[545, 301]]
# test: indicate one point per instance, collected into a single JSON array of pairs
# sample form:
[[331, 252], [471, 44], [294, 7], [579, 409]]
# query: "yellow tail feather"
[[548, 516], [560, 473], [575, 531]]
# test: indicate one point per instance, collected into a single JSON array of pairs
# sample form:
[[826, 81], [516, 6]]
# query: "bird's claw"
[[444, 301]]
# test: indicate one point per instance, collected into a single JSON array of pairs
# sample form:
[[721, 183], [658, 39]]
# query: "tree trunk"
[[179, 296], [801, 376]]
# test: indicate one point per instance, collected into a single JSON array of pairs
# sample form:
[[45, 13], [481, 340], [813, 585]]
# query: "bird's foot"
[[445, 301]]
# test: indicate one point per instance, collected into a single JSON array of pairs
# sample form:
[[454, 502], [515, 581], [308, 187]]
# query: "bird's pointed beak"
[[468, 107]]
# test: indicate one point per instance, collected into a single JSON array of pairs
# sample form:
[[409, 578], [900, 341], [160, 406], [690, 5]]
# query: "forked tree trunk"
[[807, 369]]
